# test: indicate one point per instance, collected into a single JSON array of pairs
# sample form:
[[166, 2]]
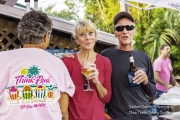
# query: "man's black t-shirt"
[[129, 103]]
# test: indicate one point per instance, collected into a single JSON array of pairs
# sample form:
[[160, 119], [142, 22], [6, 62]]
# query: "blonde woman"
[[88, 105]]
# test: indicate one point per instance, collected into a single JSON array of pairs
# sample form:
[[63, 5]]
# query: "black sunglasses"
[[86, 84], [121, 28]]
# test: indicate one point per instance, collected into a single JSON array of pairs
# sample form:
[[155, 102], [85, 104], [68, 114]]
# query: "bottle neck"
[[131, 64], [132, 67], [131, 60]]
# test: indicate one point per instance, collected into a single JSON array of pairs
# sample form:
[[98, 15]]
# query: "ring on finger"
[[94, 72]]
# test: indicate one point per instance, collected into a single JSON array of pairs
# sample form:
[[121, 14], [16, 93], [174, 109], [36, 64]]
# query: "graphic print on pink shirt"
[[31, 86]]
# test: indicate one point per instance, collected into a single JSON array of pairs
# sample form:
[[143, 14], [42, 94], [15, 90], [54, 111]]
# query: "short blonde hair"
[[83, 26]]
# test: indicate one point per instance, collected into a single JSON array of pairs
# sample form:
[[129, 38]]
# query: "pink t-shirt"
[[164, 67], [31, 81]]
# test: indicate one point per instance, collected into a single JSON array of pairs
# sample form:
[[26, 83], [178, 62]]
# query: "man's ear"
[[46, 37]]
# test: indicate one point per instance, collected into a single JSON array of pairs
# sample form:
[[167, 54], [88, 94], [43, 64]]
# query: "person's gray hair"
[[33, 27]]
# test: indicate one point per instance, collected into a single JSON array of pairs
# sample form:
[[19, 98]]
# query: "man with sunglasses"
[[129, 103]]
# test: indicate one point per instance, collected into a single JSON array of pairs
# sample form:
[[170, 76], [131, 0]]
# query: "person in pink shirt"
[[163, 72], [35, 85], [88, 105]]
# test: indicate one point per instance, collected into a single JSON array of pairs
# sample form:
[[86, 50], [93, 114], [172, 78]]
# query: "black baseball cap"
[[123, 15]]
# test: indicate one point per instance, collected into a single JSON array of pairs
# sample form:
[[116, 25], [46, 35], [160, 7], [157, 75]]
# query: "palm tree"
[[33, 71], [162, 31]]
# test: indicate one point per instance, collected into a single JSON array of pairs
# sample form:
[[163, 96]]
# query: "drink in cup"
[[85, 72]]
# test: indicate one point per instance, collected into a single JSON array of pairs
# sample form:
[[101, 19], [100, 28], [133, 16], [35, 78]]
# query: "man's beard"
[[168, 55]]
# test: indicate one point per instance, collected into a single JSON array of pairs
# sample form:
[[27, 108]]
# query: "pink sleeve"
[[171, 68], [66, 62], [157, 65], [4, 75], [69, 86], [107, 81]]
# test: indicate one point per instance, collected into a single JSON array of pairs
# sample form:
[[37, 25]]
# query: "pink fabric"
[[87, 105], [164, 67], [31, 82]]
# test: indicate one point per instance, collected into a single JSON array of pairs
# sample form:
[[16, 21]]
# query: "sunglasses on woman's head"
[[121, 28]]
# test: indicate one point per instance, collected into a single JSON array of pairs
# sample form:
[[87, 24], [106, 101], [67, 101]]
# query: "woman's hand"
[[94, 75]]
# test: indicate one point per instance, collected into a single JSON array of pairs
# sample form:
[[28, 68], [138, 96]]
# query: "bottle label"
[[131, 59], [130, 76]]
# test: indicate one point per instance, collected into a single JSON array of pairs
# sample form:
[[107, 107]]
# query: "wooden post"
[[36, 4], [27, 5], [124, 6]]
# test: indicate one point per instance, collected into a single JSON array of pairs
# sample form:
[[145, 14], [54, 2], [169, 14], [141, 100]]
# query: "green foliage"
[[162, 30], [143, 20], [175, 57], [101, 12], [154, 27], [69, 14], [159, 13]]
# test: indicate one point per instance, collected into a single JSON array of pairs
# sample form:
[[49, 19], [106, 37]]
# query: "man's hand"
[[169, 86], [177, 84], [67, 55], [140, 77]]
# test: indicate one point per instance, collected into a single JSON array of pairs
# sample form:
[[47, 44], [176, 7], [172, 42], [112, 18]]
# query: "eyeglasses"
[[121, 28]]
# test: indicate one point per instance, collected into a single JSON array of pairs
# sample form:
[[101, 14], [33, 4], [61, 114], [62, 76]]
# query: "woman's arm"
[[100, 89], [103, 89], [107, 81], [64, 101]]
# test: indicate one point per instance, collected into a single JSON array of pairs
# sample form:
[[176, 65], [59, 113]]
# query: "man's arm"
[[173, 80], [150, 86], [160, 81], [64, 101]]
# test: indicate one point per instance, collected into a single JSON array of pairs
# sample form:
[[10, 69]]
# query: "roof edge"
[[58, 23]]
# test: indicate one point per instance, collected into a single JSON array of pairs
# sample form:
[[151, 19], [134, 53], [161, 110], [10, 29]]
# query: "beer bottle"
[[132, 70], [132, 67]]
